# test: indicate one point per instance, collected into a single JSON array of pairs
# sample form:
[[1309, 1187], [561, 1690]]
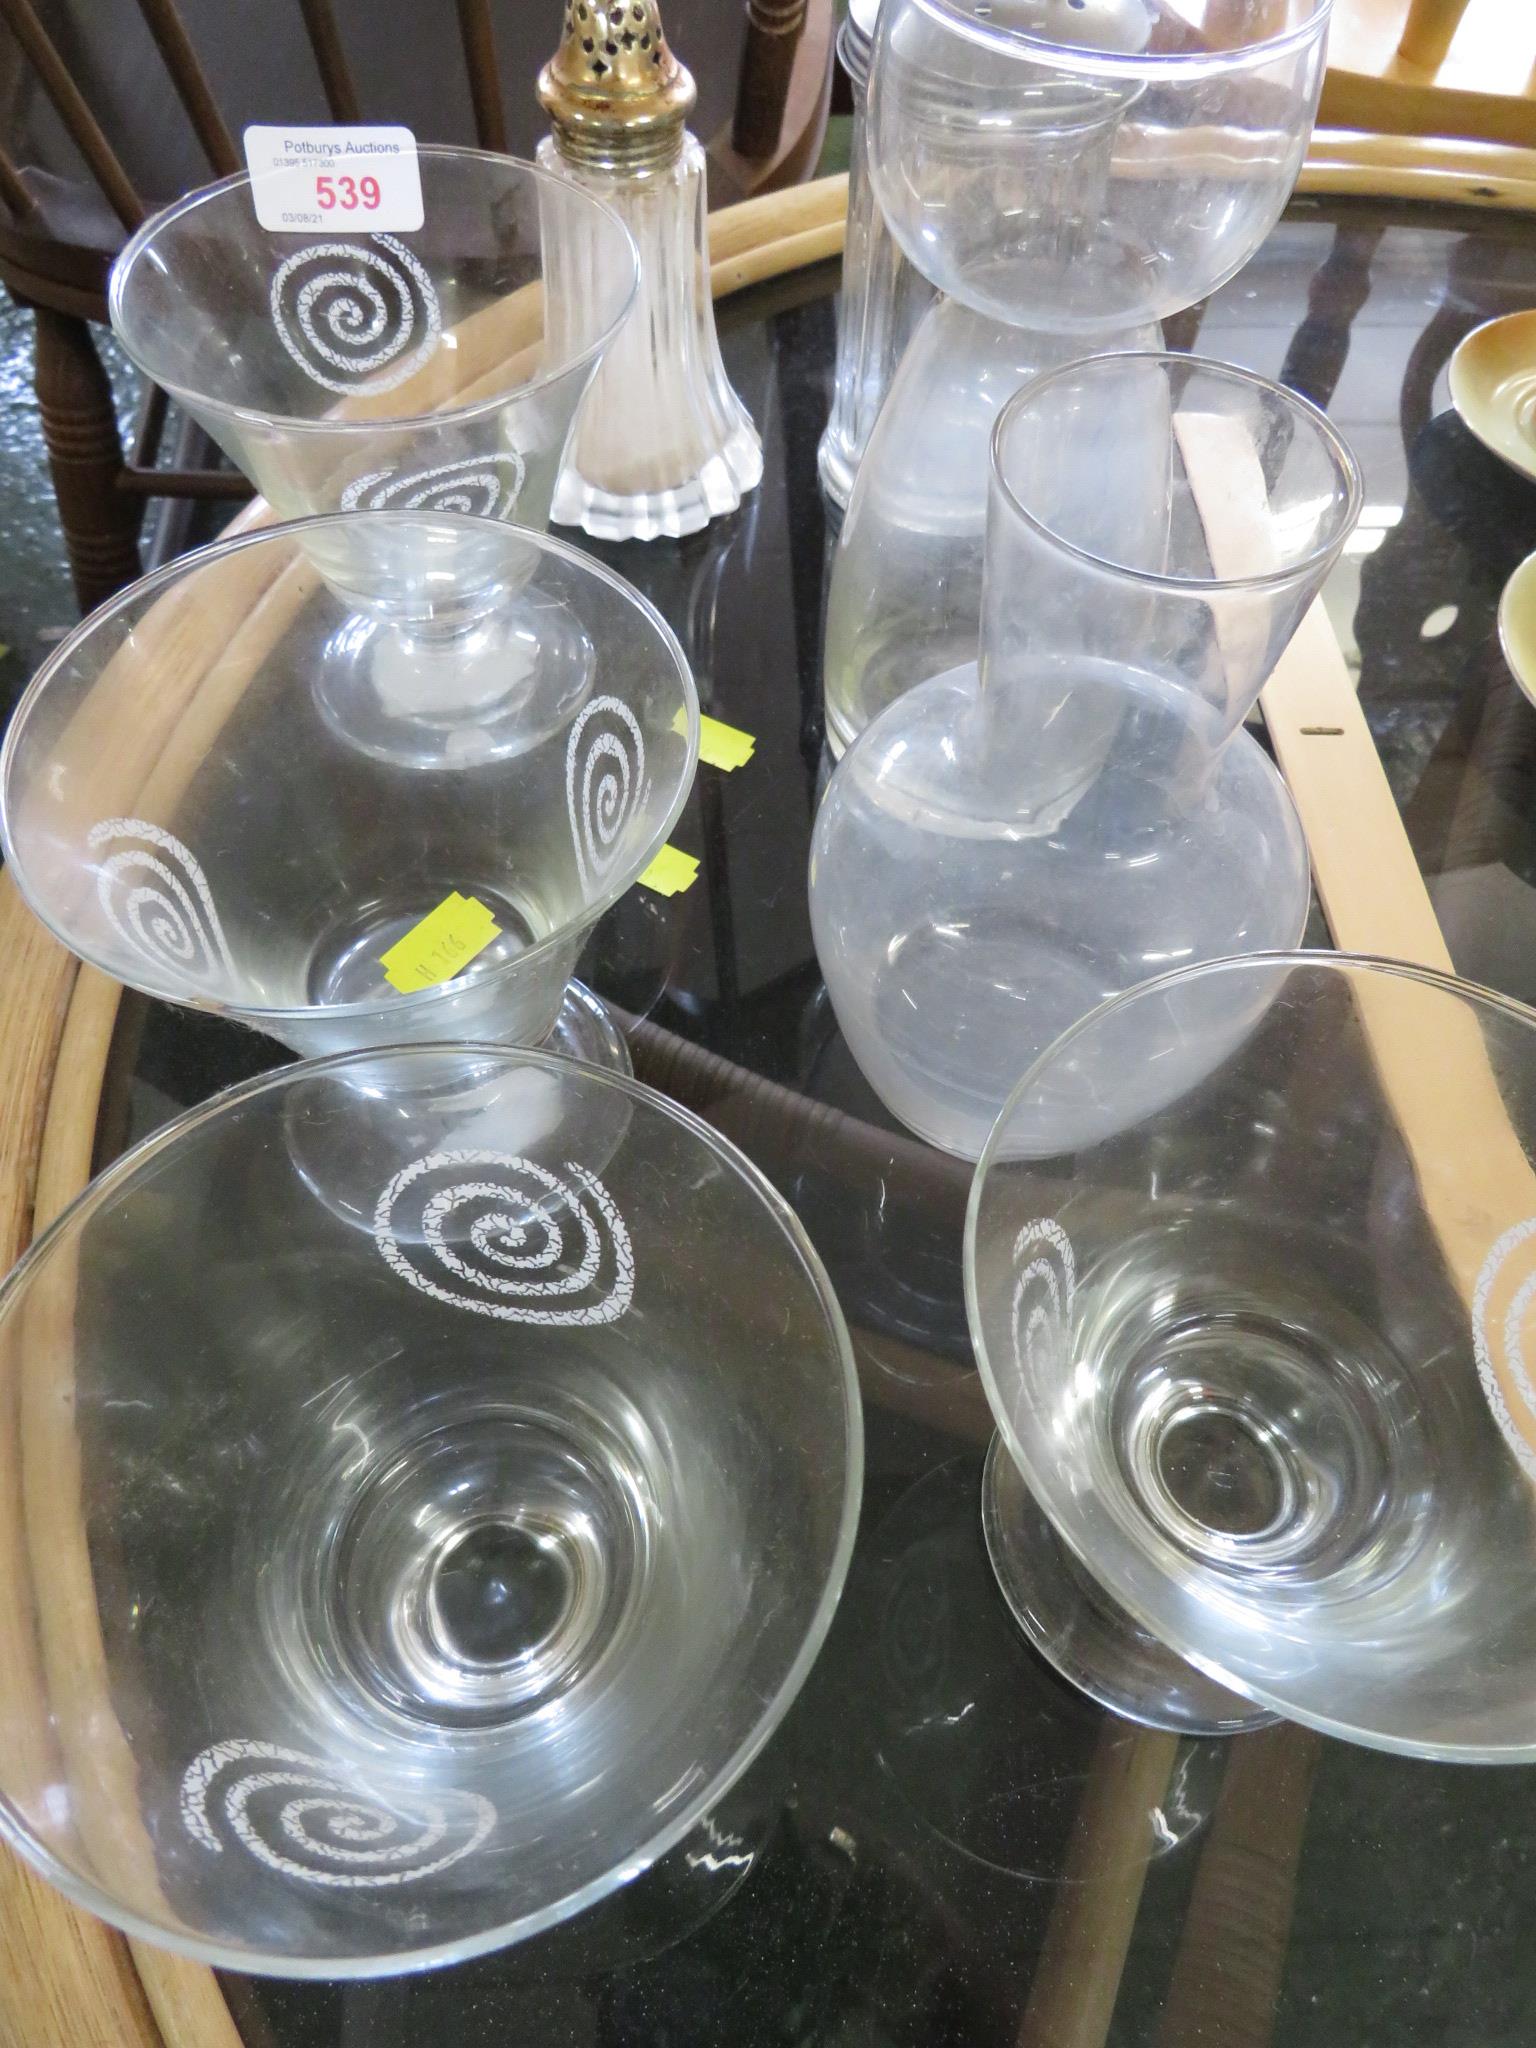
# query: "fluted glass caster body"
[[662, 444]]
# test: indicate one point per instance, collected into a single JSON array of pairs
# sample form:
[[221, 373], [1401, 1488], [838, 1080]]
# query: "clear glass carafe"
[[904, 596], [883, 297], [1067, 172], [1009, 844]]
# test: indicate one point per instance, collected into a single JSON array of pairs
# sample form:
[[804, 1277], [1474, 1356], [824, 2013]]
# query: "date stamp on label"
[[359, 180]]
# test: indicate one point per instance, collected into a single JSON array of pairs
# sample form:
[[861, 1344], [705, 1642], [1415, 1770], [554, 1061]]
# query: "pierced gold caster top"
[[615, 93]]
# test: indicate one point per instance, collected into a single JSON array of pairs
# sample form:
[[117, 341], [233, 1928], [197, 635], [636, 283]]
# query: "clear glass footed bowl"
[[1086, 165], [246, 782], [343, 370], [396, 1587], [1258, 1343]]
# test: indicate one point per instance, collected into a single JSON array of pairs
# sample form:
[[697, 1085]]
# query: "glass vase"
[[882, 298], [1007, 845], [1071, 170]]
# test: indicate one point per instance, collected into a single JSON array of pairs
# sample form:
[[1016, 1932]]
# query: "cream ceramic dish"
[[1493, 387], [1517, 625]]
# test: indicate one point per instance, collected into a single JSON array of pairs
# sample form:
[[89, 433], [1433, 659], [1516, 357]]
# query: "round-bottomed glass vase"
[[1077, 170], [1256, 1350], [346, 371], [454, 1560], [1008, 845], [246, 782]]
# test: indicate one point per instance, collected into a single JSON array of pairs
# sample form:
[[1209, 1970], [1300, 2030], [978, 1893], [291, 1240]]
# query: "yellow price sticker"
[[720, 745], [671, 872], [441, 946]]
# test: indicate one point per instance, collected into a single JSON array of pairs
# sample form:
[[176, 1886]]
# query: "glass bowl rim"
[[770, 1204], [619, 884], [139, 242], [1319, 559], [1369, 966], [1089, 62]]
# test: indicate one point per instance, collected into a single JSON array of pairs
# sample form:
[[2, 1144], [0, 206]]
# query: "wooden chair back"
[[111, 108], [1464, 69], [119, 97]]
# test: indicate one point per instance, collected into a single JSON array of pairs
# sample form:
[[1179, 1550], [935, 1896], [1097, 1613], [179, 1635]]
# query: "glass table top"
[[943, 1844]]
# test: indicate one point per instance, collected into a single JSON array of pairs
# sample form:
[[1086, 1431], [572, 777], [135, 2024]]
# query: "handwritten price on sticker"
[[348, 193]]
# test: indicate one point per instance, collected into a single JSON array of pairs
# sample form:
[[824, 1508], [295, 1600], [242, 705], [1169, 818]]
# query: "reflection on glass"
[[984, 1746]]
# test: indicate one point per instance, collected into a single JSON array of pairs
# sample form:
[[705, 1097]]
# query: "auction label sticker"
[[361, 180], [441, 945], [671, 872], [720, 745]]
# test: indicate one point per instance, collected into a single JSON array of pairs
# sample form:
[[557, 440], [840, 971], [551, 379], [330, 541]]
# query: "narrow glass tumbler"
[[1251, 1267], [347, 370], [1156, 526]]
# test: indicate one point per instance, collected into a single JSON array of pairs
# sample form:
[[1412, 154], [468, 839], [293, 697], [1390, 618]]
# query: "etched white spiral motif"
[[487, 485], [605, 785], [1501, 1301], [155, 896], [1044, 1289], [505, 1237], [298, 1815], [356, 316]]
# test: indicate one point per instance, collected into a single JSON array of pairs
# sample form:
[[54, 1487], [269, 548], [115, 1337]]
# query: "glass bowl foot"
[[1082, 1633], [349, 1185], [586, 1029], [456, 700]]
